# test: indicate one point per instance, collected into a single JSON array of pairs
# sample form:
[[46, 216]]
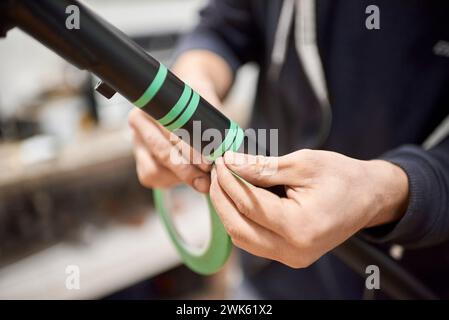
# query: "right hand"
[[153, 145]]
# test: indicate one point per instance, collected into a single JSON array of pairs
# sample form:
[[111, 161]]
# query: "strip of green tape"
[[178, 107], [153, 88], [187, 114], [219, 247], [224, 146], [238, 139]]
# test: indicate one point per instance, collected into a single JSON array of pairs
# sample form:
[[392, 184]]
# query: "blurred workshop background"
[[69, 195]]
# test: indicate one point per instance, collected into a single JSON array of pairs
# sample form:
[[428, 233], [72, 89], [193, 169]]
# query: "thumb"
[[259, 170]]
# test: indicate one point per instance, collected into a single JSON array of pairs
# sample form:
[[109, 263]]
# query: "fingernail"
[[200, 184]]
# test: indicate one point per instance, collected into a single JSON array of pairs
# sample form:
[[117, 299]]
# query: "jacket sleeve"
[[227, 28], [426, 221]]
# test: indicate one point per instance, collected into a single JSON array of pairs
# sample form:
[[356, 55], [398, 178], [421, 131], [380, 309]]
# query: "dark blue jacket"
[[388, 89]]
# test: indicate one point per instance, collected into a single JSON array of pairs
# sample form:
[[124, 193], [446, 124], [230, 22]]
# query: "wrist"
[[389, 192], [192, 75], [201, 68]]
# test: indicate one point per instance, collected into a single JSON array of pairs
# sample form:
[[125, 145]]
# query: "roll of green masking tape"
[[218, 249], [219, 246]]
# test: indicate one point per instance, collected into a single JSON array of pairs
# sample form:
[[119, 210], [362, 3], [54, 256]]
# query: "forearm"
[[205, 71]]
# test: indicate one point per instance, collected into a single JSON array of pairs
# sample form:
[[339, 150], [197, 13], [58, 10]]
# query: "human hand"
[[156, 151], [154, 146], [329, 198]]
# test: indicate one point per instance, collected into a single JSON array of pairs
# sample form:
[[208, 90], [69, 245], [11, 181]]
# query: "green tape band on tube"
[[187, 114], [238, 139], [218, 152], [153, 88], [219, 247], [178, 107]]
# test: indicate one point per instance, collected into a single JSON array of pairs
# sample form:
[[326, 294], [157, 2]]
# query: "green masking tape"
[[238, 139], [153, 88], [217, 252], [187, 114], [178, 107], [230, 137], [219, 247]]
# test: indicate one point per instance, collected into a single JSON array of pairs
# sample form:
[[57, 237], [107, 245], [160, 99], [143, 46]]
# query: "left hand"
[[330, 197]]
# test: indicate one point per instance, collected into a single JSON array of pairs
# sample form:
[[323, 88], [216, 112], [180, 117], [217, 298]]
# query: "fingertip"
[[219, 161], [214, 187], [238, 162], [228, 157], [221, 169], [205, 166], [202, 184], [234, 158], [213, 174]]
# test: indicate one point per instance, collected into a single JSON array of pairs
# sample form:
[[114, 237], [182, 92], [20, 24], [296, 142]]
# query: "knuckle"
[[164, 156], [305, 153], [308, 157], [243, 207], [162, 152], [237, 237], [259, 167]]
